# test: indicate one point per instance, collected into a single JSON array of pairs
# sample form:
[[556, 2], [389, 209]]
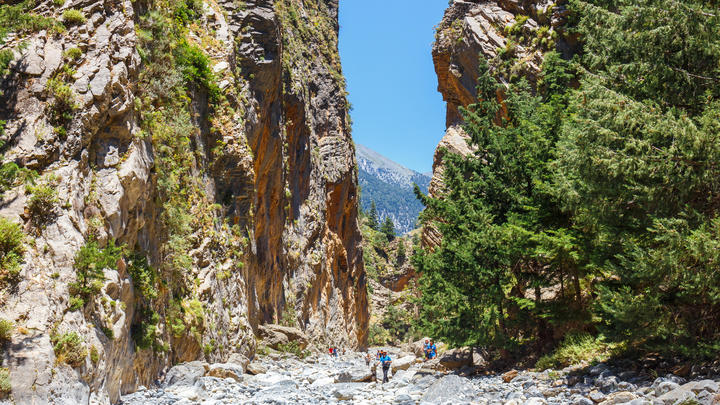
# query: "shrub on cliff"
[[6, 328], [90, 264], [69, 348], [72, 17], [42, 203], [5, 387], [12, 249]]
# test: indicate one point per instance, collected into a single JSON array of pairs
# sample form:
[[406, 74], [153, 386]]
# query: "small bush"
[[6, 328], [73, 53], [576, 348], [94, 355], [72, 16], [69, 348], [5, 387], [90, 265], [195, 67], [59, 3], [12, 248], [64, 104], [294, 348], [144, 333], [144, 277], [42, 203]]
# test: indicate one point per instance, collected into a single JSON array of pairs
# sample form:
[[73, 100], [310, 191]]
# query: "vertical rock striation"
[[245, 206]]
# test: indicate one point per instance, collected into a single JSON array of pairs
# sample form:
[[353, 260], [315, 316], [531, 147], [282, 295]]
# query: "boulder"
[[355, 374], [256, 368], [226, 370], [619, 398], [185, 374], [509, 376], [275, 335], [699, 386], [345, 391], [676, 396], [665, 387], [239, 359], [450, 388], [456, 358], [403, 363]]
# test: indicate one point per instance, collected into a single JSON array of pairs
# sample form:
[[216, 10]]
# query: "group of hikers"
[[382, 357], [334, 351]]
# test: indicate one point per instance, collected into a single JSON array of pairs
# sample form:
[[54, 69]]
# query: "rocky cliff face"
[[209, 139], [512, 35]]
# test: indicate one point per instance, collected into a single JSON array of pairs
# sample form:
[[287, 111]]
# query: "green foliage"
[[575, 349], [498, 242], [6, 328], [42, 203], [69, 348], [90, 264], [145, 331], [6, 56], [187, 11], [12, 248], [73, 16], [20, 19], [377, 335], [94, 355], [592, 204], [388, 229], [63, 105], [401, 255], [73, 54], [195, 67], [143, 275], [5, 386], [294, 348], [373, 217]]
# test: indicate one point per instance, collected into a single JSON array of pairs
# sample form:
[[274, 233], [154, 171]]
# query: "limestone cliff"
[[512, 35], [207, 138]]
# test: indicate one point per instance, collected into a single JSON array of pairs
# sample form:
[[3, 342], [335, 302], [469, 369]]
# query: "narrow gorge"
[[181, 219], [210, 141]]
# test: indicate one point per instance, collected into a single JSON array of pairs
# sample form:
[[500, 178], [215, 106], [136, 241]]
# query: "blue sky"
[[385, 52]]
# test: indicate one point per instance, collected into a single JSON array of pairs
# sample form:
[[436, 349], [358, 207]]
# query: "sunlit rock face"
[[267, 209]]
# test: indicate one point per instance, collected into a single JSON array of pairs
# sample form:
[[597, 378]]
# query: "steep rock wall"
[[244, 205]]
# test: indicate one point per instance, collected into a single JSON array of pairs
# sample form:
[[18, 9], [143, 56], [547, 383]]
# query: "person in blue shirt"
[[385, 360], [432, 350]]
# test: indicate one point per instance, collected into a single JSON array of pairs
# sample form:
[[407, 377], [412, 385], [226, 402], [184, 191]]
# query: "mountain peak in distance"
[[390, 185]]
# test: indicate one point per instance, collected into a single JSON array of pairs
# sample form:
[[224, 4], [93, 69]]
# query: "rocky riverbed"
[[319, 379]]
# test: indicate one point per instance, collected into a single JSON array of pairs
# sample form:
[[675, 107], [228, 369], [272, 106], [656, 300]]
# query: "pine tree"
[[373, 217], [401, 254], [388, 228], [639, 162]]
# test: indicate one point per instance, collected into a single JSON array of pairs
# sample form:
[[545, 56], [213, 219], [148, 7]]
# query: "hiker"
[[426, 349], [385, 360], [335, 352], [330, 350], [432, 350], [367, 359]]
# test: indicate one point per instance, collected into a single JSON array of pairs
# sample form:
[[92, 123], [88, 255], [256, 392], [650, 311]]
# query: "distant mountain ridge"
[[390, 185]]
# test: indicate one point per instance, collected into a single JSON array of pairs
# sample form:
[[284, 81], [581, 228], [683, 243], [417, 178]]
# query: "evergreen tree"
[[373, 217], [638, 161], [603, 185], [502, 225], [401, 254], [388, 229]]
